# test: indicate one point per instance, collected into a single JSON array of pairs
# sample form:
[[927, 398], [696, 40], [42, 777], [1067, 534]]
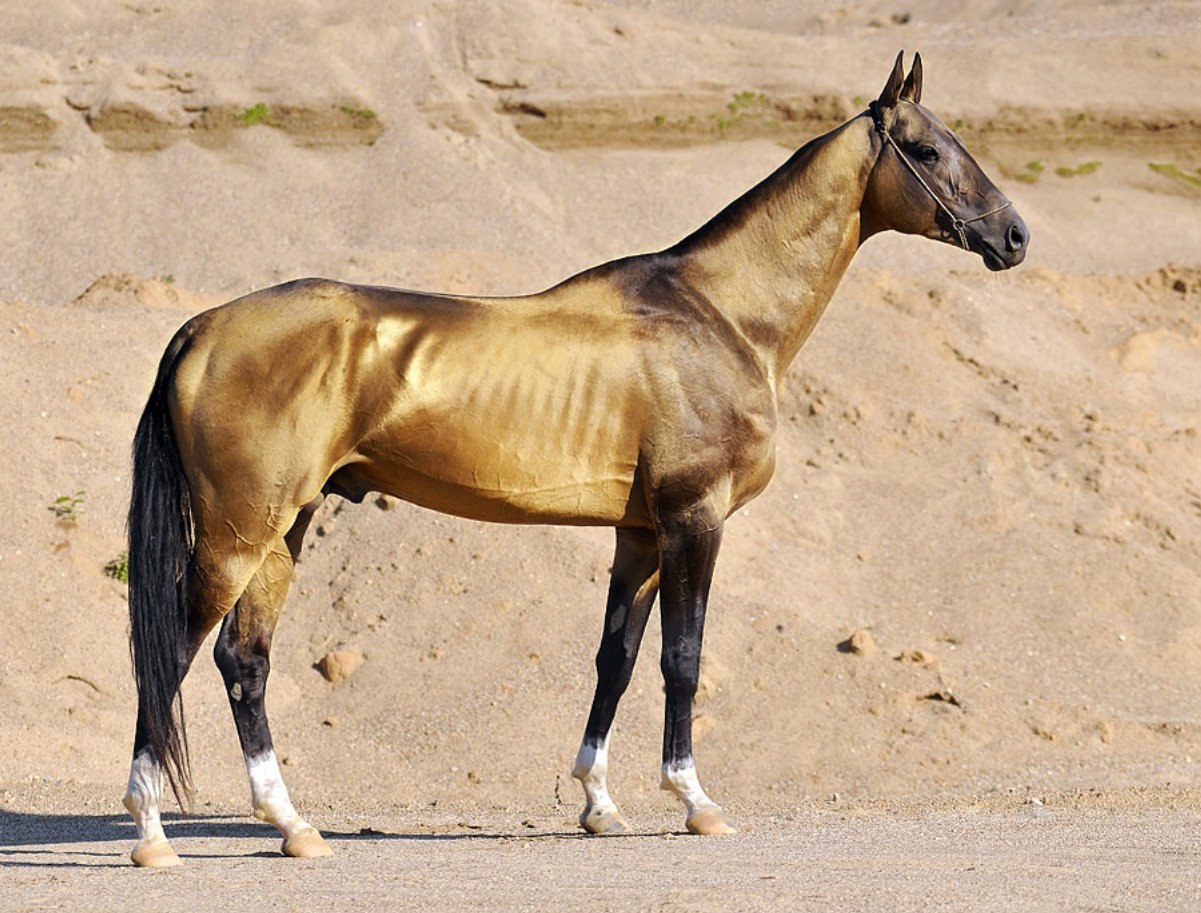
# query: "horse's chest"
[[752, 468]]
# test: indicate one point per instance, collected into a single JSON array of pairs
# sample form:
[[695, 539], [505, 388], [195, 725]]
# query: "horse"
[[640, 394]]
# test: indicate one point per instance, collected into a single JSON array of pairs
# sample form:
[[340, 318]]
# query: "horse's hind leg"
[[632, 588], [211, 587], [242, 653]]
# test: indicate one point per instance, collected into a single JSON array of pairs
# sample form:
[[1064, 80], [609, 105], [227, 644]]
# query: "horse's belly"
[[529, 465], [591, 503]]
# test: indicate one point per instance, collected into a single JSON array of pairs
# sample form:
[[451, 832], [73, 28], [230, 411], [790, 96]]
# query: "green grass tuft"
[[1065, 171], [1033, 172], [256, 115], [118, 568], [746, 101], [67, 507], [1176, 172]]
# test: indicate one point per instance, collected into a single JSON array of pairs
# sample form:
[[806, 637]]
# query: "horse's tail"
[[160, 552]]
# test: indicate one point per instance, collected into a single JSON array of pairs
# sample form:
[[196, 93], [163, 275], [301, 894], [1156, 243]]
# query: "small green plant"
[[743, 105], [1066, 171], [167, 279], [859, 101], [660, 120], [1033, 172], [66, 507], [746, 101], [1176, 172], [256, 115], [118, 568], [363, 113]]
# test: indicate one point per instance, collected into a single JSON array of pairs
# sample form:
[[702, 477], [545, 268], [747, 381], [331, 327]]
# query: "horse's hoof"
[[154, 854], [709, 821], [306, 844], [604, 821]]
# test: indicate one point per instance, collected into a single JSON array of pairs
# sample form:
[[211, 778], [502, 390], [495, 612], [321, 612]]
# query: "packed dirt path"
[[1001, 857]]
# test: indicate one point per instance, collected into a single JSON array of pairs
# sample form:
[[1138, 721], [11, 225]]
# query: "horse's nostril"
[[1015, 239]]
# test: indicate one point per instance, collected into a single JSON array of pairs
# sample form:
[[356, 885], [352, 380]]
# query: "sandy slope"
[[997, 476]]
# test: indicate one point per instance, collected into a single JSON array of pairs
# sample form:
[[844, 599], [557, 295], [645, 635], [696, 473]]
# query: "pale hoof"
[[154, 854], [604, 821], [306, 844], [709, 821]]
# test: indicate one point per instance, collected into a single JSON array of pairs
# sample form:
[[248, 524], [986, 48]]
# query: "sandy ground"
[[964, 859], [996, 476]]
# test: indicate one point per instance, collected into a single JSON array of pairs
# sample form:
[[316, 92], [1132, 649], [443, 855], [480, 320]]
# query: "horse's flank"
[[559, 407]]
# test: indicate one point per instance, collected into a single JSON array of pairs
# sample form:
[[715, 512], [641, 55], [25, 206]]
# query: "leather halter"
[[958, 224]]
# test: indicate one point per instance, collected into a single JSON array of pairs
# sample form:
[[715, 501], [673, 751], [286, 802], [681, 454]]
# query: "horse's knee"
[[615, 662], [681, 668], [243, 667]]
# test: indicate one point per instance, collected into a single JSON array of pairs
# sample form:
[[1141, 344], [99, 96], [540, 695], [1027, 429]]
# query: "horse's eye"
[[927, 154]]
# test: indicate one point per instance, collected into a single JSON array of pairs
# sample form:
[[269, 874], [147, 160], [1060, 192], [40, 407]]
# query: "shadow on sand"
[[58, 841]]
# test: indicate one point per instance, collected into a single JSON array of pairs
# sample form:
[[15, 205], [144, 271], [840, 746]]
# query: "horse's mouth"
[[997, 262]]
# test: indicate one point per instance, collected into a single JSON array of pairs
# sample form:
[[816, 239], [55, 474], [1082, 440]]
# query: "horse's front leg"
[[632, 587], [688, 547]]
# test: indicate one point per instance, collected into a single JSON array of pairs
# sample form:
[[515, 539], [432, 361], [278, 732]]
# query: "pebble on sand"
[[339, 665]]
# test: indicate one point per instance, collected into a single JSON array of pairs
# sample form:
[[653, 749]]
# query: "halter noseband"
[[956, 223]]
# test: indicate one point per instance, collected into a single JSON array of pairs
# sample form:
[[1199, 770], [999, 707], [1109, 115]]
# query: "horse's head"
[[926, 183]]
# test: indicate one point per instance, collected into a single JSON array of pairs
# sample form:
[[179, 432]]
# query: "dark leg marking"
[[689, 553], [633, 585]]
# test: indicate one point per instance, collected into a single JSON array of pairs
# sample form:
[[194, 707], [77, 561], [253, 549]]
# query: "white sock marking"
[[269, 796], [144, 796], [682, 780], [592, 770]]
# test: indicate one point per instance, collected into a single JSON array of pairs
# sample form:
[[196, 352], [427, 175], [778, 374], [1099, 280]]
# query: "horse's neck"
[[771, 260]]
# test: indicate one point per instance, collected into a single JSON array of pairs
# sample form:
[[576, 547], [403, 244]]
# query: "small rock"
[[383, 502], [339, 665], [860, 643]]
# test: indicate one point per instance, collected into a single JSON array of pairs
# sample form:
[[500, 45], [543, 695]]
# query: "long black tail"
[[160, 551]]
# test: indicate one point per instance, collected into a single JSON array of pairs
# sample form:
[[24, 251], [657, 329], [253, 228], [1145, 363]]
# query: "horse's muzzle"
[[1007, 248]]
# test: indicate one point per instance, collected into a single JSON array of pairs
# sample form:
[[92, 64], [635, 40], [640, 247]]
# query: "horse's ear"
[[892, 89], [913, 83]]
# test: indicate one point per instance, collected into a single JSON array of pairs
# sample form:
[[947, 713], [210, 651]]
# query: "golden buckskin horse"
[[641, 394]]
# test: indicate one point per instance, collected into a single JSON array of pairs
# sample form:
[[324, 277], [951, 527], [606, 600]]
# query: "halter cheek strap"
[[958, 224]]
